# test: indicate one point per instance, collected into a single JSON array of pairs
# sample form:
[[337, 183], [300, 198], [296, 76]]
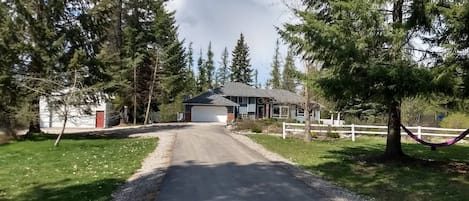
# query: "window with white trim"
[[280, 111]]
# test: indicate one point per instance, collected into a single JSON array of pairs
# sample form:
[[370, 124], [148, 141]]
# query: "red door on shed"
[[99, 119]]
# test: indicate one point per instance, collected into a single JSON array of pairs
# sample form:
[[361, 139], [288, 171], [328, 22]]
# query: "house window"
[[252, 100], [300, 112], [280, 111], [244, 100], [234, 99]]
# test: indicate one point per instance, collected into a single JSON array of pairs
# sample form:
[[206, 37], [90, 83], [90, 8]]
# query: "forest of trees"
[[127, 50]]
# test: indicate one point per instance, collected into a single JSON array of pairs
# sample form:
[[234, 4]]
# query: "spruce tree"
[[202, 78], [274, 82], [240, 64], [366, 49], [210, 66], [223, 71], [191, 85], [288, 75]]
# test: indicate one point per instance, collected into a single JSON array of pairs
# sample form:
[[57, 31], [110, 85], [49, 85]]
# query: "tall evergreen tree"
[[366, 48], [210, 66], [274, 82], [190, 57], [223, 71], [53, 32], [191, 85], [240, 64], [202, 78], [288, 75]]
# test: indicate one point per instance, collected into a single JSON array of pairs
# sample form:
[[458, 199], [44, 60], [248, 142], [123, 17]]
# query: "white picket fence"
[[353, 130]]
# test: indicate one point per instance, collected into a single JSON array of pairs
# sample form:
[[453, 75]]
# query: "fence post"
[[419, 132], [283, 130], [353, 132]]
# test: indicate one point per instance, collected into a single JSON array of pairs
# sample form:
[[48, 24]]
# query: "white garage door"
[[208, 114]]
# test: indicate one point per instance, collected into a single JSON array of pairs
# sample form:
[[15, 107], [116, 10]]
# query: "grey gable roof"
[[210, 98], [240, 89], [217, 97], [285, 96]]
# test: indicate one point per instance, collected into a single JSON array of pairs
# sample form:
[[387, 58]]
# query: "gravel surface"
[[338, 193], [144, 184]]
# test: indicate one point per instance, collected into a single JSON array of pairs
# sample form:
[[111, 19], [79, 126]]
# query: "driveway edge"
[[144, 184], [313, 181]]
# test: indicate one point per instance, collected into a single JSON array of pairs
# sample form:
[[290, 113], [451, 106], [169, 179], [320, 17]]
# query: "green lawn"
[[443, 175], [79, 169]]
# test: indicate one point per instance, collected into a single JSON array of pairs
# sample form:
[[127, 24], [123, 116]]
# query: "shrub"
[[314, 135], [332, 135], [256, 129], [168, 112], [455, 120]]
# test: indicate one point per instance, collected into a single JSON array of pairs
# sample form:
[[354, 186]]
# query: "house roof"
[[210, 98], [216, 97], [240, 89], [284, 96]]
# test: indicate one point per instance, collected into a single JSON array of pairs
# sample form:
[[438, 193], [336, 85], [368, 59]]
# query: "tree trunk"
[[307, 136], [150, 93], [135, 95], [393, 140], [62, 131], [34, 125]]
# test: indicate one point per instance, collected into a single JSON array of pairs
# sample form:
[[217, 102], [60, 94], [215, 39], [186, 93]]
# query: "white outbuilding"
[[91, 116]]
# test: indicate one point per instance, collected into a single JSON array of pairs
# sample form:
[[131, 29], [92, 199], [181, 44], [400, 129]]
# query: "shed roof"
[[210, 98]]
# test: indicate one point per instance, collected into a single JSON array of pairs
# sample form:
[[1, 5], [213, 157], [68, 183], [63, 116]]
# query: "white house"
[[99, 116]]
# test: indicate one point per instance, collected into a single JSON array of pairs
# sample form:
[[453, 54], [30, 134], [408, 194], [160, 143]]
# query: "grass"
[[79, 169], [435, 175]]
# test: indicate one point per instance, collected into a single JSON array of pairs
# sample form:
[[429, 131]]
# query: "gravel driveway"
[[208, 164]]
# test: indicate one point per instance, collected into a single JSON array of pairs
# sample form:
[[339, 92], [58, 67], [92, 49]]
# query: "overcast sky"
[[222, 21]]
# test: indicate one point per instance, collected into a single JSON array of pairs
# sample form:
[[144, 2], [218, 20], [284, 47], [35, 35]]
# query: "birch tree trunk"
[[150, 93]]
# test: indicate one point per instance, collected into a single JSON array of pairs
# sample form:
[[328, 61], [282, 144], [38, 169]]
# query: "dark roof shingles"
[[210, 98]]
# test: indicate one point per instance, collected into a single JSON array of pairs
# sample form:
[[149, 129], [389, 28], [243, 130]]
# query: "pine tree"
[[274, 82], [209, 66], [240, 64], [10, 96], [366, 49], [190, 57], [191, 85], [202, 78], [223, 71], [288, 75], [52, 33]]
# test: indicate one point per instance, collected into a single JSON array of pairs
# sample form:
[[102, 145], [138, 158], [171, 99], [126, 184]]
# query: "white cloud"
[[221, 21]]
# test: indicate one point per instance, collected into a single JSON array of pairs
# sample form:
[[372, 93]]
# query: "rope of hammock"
[[436, 145]]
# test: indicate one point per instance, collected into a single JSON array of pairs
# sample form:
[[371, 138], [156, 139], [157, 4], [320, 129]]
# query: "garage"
[[209, 114], [209, 107]]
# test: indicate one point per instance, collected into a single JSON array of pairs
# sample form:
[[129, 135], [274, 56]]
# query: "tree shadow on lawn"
[[424, 175], [98, 190]]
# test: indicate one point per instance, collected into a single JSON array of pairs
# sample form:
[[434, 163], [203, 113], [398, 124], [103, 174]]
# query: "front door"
[[260, 111], [99, 119]]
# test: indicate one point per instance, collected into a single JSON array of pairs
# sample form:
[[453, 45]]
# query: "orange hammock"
[[433, 146]]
